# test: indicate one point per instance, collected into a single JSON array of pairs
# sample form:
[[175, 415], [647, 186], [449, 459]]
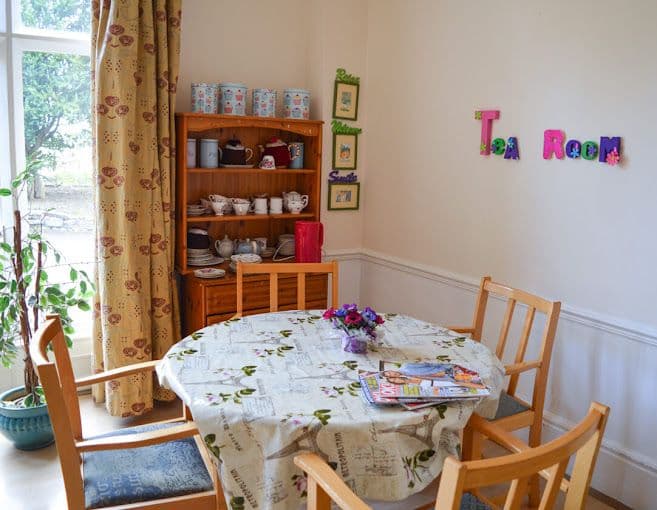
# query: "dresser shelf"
[[248, 217], [249, 171]]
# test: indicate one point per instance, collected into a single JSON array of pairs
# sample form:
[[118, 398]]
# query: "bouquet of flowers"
[[353, 321]]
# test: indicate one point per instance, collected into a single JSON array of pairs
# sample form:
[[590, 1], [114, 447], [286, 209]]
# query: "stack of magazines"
[[420, 384]]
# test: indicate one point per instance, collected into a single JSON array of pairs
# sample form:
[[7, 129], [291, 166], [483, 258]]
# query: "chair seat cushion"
[[471, 502], [132, 475], [509, 406]]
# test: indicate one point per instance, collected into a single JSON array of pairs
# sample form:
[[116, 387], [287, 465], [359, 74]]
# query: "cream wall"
[[287, 43], [575, 230]]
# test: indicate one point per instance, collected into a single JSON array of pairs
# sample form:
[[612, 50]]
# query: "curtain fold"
[[135, 59]]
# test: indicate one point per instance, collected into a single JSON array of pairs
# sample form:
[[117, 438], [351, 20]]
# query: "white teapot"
[[293, 196]]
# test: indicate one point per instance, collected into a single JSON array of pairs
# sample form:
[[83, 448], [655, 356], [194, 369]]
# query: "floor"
[[21, 472]]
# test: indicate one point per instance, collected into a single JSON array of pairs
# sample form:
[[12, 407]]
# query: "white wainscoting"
[[595, 358]]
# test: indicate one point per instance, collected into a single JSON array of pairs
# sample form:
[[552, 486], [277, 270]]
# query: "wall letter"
[[487, 117], [512, 149], [553, 143], [498, 146], [573, 149], [589, 150], [608, 145]]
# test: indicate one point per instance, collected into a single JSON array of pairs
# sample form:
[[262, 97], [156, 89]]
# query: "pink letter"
[[553, 143], [487, 117]]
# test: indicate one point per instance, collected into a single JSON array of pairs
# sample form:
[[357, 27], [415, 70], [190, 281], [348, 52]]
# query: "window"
[[45, 122]]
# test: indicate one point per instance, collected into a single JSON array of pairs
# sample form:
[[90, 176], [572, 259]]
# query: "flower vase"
[[355, 342]]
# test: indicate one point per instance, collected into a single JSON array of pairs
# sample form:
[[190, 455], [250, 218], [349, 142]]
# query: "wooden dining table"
[[267, 387]]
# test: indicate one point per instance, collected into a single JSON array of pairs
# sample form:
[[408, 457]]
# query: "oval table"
[[266, 387]]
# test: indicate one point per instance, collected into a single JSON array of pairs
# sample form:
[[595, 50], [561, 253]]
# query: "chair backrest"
[[551, 309], [274, 269], [549, 460], [61, 394]]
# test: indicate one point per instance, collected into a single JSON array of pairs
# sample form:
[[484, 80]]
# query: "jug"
[[308, 240], [247, 246]]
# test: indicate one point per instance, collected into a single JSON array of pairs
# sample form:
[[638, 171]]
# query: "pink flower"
[[329, 314], [379, 319], [353, 318]]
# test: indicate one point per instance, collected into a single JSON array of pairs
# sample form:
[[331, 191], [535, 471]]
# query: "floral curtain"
[[135, 54]]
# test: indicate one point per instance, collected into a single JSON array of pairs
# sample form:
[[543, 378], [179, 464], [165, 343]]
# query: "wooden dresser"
[[206, 301]]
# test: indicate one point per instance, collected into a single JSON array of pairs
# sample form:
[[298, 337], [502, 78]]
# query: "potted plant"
[[27, 294]]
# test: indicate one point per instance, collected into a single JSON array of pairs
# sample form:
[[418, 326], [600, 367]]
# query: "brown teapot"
[[278, 149]]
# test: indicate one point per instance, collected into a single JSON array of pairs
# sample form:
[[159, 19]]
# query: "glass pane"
[[56, 98], [61, 15]]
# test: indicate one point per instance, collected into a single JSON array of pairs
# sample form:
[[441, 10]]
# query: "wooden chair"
[[274, 269], [460, 479], [163, 465], [514, 413]]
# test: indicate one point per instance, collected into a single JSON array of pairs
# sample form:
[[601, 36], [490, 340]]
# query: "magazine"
[[419, 384]]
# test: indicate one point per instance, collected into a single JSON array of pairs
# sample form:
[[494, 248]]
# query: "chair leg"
[[534, 483], [471, 444]]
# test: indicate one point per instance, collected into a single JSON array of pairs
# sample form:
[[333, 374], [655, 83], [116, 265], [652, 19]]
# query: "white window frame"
[[15, 39]]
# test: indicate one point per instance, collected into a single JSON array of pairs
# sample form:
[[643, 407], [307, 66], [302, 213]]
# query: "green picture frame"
[[343, 196], [345, 100], [345, 151]]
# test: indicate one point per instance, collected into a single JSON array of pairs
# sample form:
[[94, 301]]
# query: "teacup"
[[268, 162], [217, 198], [295, 206], [219, 207], [242, 208]]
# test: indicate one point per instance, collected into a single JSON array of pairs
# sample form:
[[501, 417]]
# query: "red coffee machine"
[[308, 240]]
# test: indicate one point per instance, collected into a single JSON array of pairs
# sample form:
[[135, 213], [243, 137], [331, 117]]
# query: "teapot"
[[278, 149], [224, 247], [234, 153], [293, 196], [246, 246]]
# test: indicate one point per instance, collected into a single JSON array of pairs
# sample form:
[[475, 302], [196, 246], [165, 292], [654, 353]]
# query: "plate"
[[247, 258], [205, 262], [209, 272], [236, 166], [198, 251], [267, 253]]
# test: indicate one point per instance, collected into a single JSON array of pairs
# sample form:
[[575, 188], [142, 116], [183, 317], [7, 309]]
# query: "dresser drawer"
[[222, 299]]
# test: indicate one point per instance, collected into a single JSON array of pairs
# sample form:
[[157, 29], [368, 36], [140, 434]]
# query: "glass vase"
[[355, 342]]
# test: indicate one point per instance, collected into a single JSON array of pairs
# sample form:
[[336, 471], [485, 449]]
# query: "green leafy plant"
[[27, 293]]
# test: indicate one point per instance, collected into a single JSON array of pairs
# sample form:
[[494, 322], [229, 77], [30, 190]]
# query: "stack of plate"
[[247, 258], [197, 210], [202, 257]]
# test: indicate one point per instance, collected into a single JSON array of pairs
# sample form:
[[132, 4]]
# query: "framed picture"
[[345, 151], [345, 100], [343, 197]]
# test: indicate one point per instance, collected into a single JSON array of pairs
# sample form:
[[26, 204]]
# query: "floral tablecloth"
[[266, 387]]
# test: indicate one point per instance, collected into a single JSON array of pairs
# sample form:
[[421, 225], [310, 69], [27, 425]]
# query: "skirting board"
[[623, 473]]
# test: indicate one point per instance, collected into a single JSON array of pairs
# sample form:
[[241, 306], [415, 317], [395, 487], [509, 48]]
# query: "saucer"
[[209, 272], [205, 262]]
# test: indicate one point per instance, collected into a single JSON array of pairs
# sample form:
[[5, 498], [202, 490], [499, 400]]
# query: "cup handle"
[[221, 154], [252, 206], [250, 154], [304, 199], [293, 152]]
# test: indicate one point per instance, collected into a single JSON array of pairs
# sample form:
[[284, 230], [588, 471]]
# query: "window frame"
[[15, 39]]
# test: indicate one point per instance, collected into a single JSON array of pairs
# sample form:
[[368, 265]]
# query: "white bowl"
[[247, 258]]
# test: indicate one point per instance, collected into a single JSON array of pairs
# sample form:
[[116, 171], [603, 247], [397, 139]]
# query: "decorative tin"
[[296, 104], [205, 97], [296, 155], [264, 102], [232, 98], [209, 153]]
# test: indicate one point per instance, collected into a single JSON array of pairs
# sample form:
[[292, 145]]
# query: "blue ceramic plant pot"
[[27, 428]]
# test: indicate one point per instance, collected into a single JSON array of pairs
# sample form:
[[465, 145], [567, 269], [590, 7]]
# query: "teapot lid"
[[275, 142], [234, 144]]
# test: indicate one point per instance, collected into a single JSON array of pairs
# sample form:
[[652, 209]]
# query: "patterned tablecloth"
[[267, 387]]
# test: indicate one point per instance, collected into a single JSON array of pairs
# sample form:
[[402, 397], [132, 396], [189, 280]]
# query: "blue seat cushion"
[[132, 475], [509, 406], [471, 502]]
